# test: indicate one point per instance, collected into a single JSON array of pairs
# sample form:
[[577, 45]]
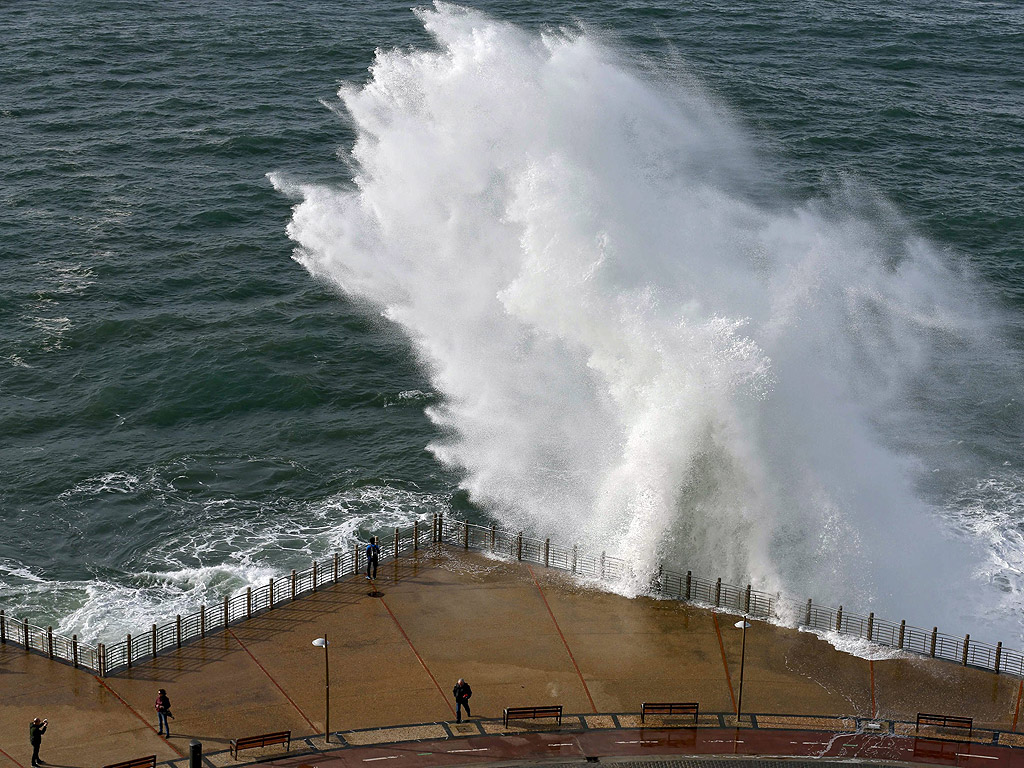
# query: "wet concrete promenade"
[[521, 635]]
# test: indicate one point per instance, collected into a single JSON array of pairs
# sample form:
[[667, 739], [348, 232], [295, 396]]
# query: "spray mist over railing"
[[639, 338]]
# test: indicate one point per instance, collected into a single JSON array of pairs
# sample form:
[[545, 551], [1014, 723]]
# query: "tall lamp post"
[[742, 624], [321, 642]]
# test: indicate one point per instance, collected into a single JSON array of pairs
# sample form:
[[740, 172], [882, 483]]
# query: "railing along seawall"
[[43, 640], [104, 659], [252, 601], [739, 599]]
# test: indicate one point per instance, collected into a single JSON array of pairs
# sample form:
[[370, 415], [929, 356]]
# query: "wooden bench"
[[527, 713], [944, 721], [138, 762], [263, 740], [669, 708]]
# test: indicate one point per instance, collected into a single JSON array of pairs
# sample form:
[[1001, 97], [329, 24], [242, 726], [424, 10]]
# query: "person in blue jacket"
[[372, 556]]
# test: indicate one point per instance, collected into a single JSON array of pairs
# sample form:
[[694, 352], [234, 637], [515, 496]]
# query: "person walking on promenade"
[[36, 729], [462, 692], [372, 556], [163, 711]]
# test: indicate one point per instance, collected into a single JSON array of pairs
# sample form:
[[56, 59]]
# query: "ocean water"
[[737, 286]]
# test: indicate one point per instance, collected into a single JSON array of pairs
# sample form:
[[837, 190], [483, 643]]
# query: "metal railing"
[[14, 631], [252, 601], [105, 659], [736, 599]]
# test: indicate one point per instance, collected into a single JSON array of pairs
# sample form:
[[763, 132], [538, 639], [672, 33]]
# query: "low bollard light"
[[195, 754]]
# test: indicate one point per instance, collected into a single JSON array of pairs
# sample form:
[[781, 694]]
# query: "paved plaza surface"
[[521, 635]]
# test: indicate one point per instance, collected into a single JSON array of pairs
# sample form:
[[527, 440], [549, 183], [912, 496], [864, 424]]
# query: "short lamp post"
[[742, 624], [321, 642]]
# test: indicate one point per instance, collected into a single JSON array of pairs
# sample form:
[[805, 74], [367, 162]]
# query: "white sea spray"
[[638, 344]]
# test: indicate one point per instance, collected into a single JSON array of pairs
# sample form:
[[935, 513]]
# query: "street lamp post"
[[321, 642], [742, 624]]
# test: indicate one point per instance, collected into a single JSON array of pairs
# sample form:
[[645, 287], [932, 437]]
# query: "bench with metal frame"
[[263, 740], [138, 762], [944, 721], [526, 713], [669, 708]]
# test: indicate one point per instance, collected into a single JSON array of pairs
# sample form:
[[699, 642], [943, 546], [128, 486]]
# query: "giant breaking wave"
[[642, 344]]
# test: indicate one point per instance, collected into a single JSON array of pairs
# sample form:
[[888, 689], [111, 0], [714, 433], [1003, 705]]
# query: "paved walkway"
[[521, 635]]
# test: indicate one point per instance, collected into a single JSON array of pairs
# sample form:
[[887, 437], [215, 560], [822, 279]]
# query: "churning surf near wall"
[[641, 342]]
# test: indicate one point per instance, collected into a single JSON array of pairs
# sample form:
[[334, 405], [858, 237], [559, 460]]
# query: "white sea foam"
[[108, 482], [237, 545], [859, 646], [637, 343]]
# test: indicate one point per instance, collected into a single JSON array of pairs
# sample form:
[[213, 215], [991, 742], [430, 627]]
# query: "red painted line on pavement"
[[418, 657], [567, 649], [1016, 711], [721, 647], [135, 712], [874, 708], [271, 678], [11, 759], [649, 742]]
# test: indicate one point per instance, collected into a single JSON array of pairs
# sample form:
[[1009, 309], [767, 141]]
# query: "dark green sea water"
[[184, 410]]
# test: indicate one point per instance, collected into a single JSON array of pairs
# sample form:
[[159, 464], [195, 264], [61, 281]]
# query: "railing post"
[[178, 628], [202, 620], [415, 535], [575, 556], [101, 659], [807, 615], [999, 654], [657, 579], [433, 529], [519, 546], [74, 650], [871, 624], [355, 548], [967, 642], [49, 642], [602, 563], [3, 629], [746, 608], [227, 612], [248, 602], [935, 637], [547, 550], [718, 592], [398, 539], [314, 575], [839, 619], [24, 624], [270, 585], [465, 534], [152, 639], [494, 531], [336, 559], [128, 650], [903, 631], [293, 577], [689, 579]]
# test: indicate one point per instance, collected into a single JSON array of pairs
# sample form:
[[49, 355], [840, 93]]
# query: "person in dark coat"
[[36, 729], [372, 555], [462, 692], [163, 711]]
